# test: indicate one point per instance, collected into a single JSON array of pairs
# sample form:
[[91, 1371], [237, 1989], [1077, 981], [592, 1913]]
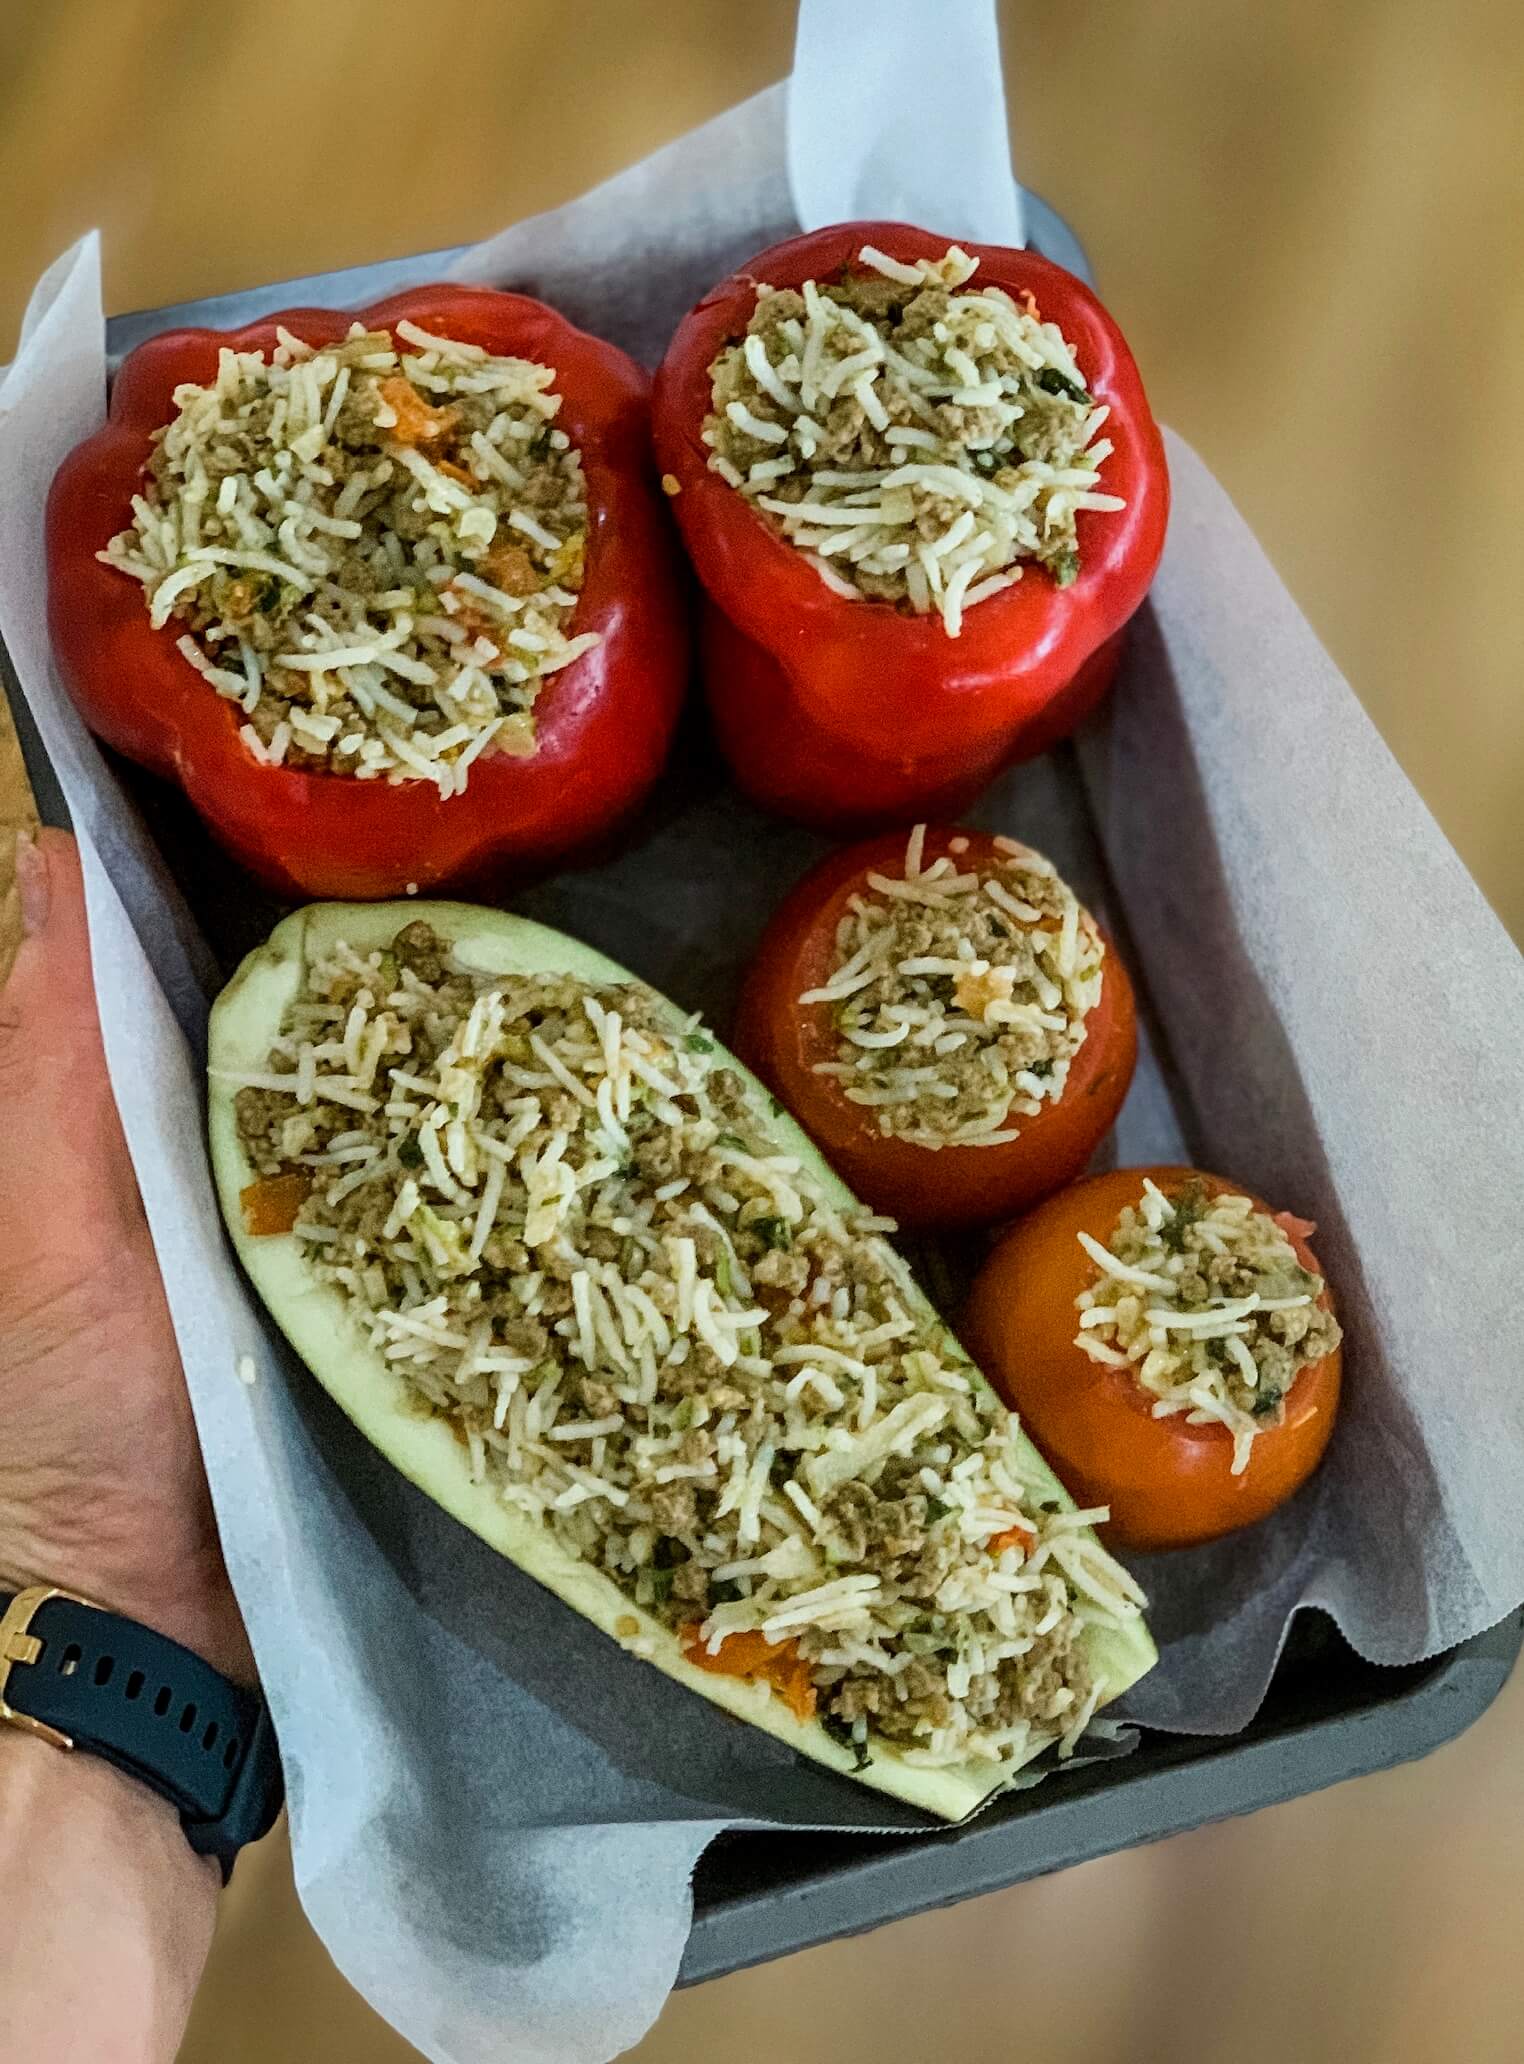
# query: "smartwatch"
[[83, 1678]]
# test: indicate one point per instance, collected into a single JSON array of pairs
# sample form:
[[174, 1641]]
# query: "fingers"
[[68, 1199]]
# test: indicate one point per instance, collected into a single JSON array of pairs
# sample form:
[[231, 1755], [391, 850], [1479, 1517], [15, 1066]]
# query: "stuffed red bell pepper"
[[924, 492], [390, 594]]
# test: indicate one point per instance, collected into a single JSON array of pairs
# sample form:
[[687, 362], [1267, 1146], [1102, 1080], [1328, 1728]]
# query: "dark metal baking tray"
[[1328, 1714]]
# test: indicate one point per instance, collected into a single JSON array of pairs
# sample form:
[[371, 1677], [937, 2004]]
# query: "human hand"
[[101, 1484]]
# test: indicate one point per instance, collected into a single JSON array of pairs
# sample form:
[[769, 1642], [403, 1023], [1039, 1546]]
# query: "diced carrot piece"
[[753, 1656], [509, 567], [273, 1204], [474, 620], [455, 472], [417, 421], [1022, 1537], [1293, 1227]]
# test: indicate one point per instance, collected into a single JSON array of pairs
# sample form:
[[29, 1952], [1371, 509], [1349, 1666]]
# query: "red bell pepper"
[[845, 712], [602, 724]]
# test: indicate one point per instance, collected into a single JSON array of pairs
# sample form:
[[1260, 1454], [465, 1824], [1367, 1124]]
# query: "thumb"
[[67, 1195]]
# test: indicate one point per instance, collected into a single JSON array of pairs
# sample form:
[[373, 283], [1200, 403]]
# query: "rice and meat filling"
[[376, 549], [568, 1229], [1204, 1299], [961, 993], [916, 441]]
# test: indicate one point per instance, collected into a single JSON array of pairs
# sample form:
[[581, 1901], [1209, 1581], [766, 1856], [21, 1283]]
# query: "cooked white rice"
[[566, 1224], [961, 992], [1204, 1299], [917, 442], [376, 550]]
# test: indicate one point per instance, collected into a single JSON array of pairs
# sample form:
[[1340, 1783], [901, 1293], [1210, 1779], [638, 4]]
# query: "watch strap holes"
[[104, 1668], [230, 1753], [162, 1703], [135, 1685], [69, 1661]]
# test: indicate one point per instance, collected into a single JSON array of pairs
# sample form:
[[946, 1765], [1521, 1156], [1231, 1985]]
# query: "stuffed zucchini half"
[[566, 1264]]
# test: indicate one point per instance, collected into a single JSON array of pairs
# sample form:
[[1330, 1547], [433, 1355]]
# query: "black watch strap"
[[83, 1678]]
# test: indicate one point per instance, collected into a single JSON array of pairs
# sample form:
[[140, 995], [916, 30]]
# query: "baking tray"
[[1327, 1715]]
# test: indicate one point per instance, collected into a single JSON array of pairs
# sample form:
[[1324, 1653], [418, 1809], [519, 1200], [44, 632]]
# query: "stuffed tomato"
[[946, 1021], [564, 1264], [391, 595], [924, 493], [1171, 1346]]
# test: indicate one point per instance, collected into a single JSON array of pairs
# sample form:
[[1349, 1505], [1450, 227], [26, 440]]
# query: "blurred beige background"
[[1306, 215]]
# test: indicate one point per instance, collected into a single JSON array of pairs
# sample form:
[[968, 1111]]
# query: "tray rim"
[[353, 285], [1137, 1805]]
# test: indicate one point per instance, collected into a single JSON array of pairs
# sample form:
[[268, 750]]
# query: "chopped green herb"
[[773, 1232], [1266, 1403], [935, 1510], [1064, 567], [1041, 1069], [1052, 381], [1189, 1206], [409, 1153], [658, 1584], [841, 1731], [722, 1274], [697, 1043], [733, 1140]]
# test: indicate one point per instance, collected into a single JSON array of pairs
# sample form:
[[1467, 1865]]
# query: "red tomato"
[[782, 1039], [1169, 1485]]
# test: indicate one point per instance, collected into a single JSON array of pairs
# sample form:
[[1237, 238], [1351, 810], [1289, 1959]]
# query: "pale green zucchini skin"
[[315, 1317]]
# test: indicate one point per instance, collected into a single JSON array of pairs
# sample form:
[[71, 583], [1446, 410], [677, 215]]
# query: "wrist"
[[193, 1607], [109, 1914]]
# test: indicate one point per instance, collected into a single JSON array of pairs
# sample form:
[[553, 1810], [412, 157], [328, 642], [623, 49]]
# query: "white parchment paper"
[[495, 1811]]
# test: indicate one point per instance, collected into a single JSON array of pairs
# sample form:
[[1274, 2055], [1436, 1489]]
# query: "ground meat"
[[701, 1375], [898, 1527], [780, 1270], [260, 1114], [1031, 1685], [502, 1251], [924, 1577], [563, 1112], [421, 950], [674, 1508], [918, 1682], [875, 1530], [858, 1697], [598, 1399], [727, 1093], [658, 1158], [690, 1581]]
